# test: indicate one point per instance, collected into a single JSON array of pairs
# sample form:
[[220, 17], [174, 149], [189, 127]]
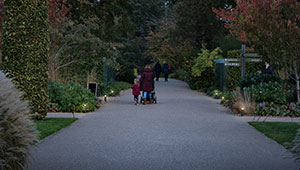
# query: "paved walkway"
[[185, 131]]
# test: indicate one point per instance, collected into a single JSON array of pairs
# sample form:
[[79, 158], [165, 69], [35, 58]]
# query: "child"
[[136, 91]]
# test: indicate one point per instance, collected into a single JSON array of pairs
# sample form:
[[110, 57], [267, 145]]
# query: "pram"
[[154, 98]]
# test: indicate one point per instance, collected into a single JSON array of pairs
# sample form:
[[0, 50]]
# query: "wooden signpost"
[[243, 60]]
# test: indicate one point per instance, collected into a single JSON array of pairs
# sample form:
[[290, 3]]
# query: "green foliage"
[[117, 87], [256, 78], [49, 126], [205, 61], [268, 92], [226, 43], [26, 49], [201, 70], [16, 133], [281, 132], [234, 73], [196, 22], [70, 98], [179, 74], [271, 109]]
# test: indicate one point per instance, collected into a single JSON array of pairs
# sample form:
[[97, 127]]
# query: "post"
[[243, 63]]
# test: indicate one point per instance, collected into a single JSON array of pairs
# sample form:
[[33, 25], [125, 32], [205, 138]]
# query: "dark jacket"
[[269, 70], [146, 80], [157, 68], [166, 68]]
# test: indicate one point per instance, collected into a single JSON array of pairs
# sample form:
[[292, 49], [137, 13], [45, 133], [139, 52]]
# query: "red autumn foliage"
[[58, 10], [261, 19]]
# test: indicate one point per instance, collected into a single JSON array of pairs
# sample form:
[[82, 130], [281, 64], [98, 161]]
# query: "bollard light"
[[84, 107], [105, 98], [242, 111]]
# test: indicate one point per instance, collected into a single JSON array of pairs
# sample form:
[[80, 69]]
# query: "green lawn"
[[49, 126], [281, 132]]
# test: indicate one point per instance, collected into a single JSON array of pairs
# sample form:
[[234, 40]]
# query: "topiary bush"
[[25, 50], [70, 98], [16, 132]]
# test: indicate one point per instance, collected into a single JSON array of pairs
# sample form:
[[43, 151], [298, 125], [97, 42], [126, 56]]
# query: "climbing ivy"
[[25, 50]]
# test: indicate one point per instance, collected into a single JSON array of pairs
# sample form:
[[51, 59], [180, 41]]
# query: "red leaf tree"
[[271, 26]]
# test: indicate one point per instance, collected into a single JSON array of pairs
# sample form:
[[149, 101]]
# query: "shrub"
[[16, 133], [70, 97], [202, 71], [179, 74], [272, 109], [126, 74], [268, 92], [117, 87], [26, 49], [256, 78]]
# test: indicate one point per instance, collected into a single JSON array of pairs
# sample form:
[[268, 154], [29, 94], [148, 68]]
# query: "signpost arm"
[[243, 63]]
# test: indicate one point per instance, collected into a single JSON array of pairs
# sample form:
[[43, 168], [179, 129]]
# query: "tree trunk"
[[297, 81]]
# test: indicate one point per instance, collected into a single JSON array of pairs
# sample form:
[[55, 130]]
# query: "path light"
[[223, 98], [216, 95], [84, 107], [112, 92], [105, 98], [242, 111]]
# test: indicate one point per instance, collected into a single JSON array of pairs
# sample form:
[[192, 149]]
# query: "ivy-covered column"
[[26, 48]]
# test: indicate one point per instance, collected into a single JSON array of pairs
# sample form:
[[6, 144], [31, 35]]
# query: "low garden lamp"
[[105, 98], [84, 107], [242, 111]]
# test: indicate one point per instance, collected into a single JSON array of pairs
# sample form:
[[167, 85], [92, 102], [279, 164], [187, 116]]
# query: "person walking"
[[269, 69], [166, 70], [146, 82], [157, 69], [136, 91]]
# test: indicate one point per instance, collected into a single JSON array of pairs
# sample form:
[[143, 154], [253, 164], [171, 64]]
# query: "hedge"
[[26, 48], [234, 73]]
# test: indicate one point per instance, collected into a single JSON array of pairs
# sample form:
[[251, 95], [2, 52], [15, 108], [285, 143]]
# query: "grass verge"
[[49, 126], [281, 132]]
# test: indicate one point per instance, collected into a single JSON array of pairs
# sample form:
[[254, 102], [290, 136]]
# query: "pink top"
[[135, 89]]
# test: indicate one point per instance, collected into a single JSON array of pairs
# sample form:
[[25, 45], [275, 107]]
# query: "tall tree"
[[273, 27], [196, 22], [26, 49]]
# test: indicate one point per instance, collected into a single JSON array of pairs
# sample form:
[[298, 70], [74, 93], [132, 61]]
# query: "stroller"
[[154, 98]]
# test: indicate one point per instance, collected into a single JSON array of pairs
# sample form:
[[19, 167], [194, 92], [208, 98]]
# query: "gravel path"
[[185, 131]]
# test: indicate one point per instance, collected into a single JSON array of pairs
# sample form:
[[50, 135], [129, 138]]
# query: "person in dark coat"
[[269, 69], [146, 82], [157, 70], [166, 70]]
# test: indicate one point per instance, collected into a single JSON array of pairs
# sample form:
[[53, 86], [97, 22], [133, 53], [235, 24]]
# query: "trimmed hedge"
[[25, 50]]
